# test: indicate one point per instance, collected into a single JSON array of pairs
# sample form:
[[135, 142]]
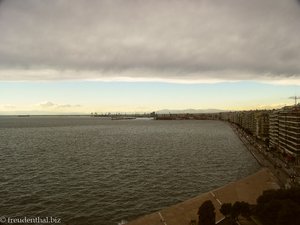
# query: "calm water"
[[93, 171]]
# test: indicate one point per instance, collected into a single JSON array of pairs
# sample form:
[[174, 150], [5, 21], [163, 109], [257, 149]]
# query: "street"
[[286, 175]]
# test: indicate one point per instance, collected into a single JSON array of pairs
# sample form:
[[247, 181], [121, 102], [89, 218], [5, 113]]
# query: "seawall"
[[246, 189]]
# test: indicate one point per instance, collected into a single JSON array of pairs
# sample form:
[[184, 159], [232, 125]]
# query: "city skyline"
[[143, 56]]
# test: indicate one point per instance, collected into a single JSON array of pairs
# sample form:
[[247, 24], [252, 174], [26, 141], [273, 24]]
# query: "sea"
[[85, 170]]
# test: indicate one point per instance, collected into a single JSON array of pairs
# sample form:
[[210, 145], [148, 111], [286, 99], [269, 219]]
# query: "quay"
[[247, 189]]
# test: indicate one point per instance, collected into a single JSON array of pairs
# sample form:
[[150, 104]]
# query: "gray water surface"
[[96, 171]]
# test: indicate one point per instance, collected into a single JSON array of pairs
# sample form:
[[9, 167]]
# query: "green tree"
[[206, 213]]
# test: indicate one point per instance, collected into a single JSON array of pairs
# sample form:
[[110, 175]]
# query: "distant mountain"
[[180, 111]]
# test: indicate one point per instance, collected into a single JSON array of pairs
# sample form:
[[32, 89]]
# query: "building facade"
[[285, 131], [273, 130], [262, 125]]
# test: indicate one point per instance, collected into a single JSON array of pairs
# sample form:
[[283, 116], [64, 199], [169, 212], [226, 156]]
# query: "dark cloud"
[[169, 39]]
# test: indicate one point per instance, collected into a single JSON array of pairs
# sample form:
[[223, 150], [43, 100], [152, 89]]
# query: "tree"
[[226, 209], [236, 210], [206, 213], [240, 208], [287, 212], [279, 207], [245, 209], [232, 212]]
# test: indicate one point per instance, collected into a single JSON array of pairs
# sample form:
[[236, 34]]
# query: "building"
[[249, 122], [262, 125], [285, 132], [273, 130]]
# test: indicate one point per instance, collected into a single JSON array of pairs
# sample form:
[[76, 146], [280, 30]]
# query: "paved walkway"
[[247, 189]]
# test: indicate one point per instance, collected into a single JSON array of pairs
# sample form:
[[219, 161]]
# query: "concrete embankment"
[[247, 189]]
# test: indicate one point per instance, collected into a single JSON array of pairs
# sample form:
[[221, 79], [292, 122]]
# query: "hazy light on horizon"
[[86, 97]]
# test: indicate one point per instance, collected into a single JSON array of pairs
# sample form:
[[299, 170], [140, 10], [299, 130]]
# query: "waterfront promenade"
[[266, 159], [247, 189]]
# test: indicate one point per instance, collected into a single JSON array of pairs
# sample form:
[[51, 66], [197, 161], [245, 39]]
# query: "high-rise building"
[[285, 131], [262, 125], [273, 129]]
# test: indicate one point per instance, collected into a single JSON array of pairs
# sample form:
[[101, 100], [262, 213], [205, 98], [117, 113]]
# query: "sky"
[[81, 56]]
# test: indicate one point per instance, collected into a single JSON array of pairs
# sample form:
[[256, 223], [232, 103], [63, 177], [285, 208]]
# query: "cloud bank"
[[137, 40]]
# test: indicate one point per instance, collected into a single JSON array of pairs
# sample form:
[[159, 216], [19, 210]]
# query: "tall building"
[[249, 121], [273, 130], [262, 125], [285, 131]]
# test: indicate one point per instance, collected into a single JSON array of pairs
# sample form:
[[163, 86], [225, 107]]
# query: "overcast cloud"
[[167, 40]]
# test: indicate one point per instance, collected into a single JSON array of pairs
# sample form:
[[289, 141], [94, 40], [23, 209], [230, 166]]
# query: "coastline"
[[264, 158], [246, 189]]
